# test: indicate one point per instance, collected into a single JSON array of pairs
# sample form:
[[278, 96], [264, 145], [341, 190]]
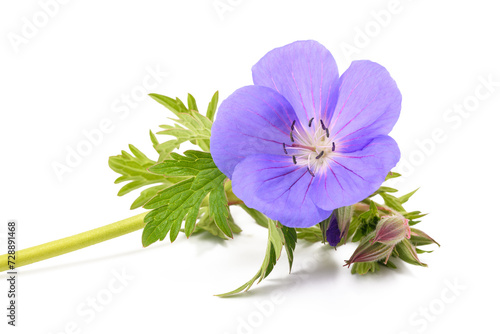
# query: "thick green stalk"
[[73, 243]]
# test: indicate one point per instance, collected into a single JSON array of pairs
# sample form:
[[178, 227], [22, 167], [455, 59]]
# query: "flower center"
[[311, 146]]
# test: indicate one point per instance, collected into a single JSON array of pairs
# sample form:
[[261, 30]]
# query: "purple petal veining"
[[302, 142]]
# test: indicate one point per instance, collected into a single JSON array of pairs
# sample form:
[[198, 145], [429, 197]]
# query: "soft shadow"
[[386, 273], [26, 272], [317, 270], [204, 242], [207, 240]]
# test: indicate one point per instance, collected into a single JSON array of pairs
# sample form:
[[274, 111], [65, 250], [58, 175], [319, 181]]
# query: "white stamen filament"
[[308, 145]]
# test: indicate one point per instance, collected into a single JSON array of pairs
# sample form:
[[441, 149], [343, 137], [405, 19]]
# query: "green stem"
[[73, 243]]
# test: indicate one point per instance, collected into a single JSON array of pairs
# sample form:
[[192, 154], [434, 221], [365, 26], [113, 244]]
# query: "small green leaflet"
[[147, 194], [259, 217], [392, 202], [164, 148], [192, 103], [206, 222], [420, 238], [392, 175], [290, 236], [134, 168], [311, 234], [182, 200], [275, 242], [190, 124], [323, 225], [383, 189], [362, 268], [212, 106], [365, 223]]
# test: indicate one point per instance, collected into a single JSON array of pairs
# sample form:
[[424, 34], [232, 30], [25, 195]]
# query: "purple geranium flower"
[[302, 142]]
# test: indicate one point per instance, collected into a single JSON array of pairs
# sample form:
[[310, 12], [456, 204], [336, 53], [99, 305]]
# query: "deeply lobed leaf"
[[181, 201]]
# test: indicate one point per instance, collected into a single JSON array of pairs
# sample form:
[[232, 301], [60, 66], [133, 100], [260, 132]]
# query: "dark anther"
[[294, 159], [322, 124], [310, 172], [327, 133], [291, 136], [310, 121], [284, 148], [293, 125], [320, 155], [333, 146]]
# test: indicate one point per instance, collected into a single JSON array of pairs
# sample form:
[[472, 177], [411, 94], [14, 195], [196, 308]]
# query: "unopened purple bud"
[[333, 233], [339, 225], [391, 230]]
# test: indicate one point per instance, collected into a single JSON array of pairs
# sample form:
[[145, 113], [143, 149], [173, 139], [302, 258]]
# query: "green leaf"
[[212, 106], [275, 244], [181, 105], [392, 175], [366, 223], [387, 189], [219, 210], [259, 217], [190, 124], [190, 127], [207, 224], [290, 236], [164, 149], [392, 202], [168, 102], [414, 215], [134, 168], [188, 164], [408, 253], [403, 199], [311, 234], [421, 251], [383, 189], [323, 226], [373, 209], [389, 264], [192, 103], [182, 201], [362, 268], [420, 238], [147, 194]]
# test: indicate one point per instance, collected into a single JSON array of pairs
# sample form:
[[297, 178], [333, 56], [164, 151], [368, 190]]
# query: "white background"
[[72, 73]]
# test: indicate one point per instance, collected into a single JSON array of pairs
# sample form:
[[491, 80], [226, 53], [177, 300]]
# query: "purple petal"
[[252, 120], [276, 187], [351, 177], [368, 105], [305, 73], [332, 232]]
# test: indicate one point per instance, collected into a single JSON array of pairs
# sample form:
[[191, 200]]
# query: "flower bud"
[[369, 252], [391, 230], [408, 253], [344, 217], [333, 235], [339, 225]]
